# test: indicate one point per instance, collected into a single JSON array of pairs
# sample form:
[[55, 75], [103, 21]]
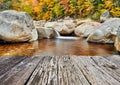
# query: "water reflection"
[[56, 47], [18, 49]]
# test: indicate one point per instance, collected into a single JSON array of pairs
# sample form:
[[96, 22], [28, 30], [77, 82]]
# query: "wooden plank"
[[57, 71], [95, 74], [20, 73], [45, 73], [9, 62], [78, 72], [61, 70], [109, 67], [3, 58], [38, 73], [115, 59], [70, 74], [52, 79]]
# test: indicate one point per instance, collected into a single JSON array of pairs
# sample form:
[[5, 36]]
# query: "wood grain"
[[60, 70]]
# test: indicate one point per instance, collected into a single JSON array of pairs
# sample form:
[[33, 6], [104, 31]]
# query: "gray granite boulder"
[[65, 27], [47, 33], [85, 29], [106, 32], [16, 26]]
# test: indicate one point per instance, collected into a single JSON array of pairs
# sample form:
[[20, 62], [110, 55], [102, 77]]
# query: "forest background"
[[55, 9]]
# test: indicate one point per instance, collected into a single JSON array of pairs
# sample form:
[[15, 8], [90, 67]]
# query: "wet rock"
[[15, 26], [117, 40], [34, 35], [106, 32], [46, 33], [105, 16], [85, 29]]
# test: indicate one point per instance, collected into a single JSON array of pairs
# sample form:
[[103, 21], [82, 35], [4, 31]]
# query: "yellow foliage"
[[51, 4], [46, 16], [16, 6], [102, 10], [47, 1], [109, 4], [37, 10], [1, 1], [47, 9], [116, 12]]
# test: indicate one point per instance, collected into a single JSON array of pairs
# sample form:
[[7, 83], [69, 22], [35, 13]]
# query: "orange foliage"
[[65, 5], [47, 9]]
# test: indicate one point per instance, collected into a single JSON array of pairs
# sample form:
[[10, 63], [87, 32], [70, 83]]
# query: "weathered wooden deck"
[[46, 70]]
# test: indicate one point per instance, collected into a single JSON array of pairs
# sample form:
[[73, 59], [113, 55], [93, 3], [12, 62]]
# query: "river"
[[57, 47]]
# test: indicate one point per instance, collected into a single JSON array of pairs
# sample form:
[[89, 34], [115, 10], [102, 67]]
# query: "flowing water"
[[57, 47], [58, 36]]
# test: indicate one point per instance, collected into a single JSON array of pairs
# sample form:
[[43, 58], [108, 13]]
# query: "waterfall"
[[58, 36]]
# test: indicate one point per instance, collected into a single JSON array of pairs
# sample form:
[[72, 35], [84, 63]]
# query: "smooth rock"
[[106, 32], [85, 29], [15, 26], [46, 33], [66, 27]]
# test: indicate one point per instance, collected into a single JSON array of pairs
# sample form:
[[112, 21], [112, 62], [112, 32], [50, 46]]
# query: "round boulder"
[[15, 26], [106, 32], [85, 29], [66, 27]]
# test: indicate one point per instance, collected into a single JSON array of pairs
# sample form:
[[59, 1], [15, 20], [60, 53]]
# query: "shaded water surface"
[[56, 47]]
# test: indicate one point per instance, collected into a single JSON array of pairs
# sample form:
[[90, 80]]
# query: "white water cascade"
[[58, 36]]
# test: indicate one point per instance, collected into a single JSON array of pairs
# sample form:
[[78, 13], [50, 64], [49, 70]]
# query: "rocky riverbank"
[[19, 27]]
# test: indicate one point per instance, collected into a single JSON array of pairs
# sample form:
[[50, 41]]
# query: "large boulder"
[[16, 26], [117, 40], [106, 32], [85, 29], [66, 27], [47, 33]]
